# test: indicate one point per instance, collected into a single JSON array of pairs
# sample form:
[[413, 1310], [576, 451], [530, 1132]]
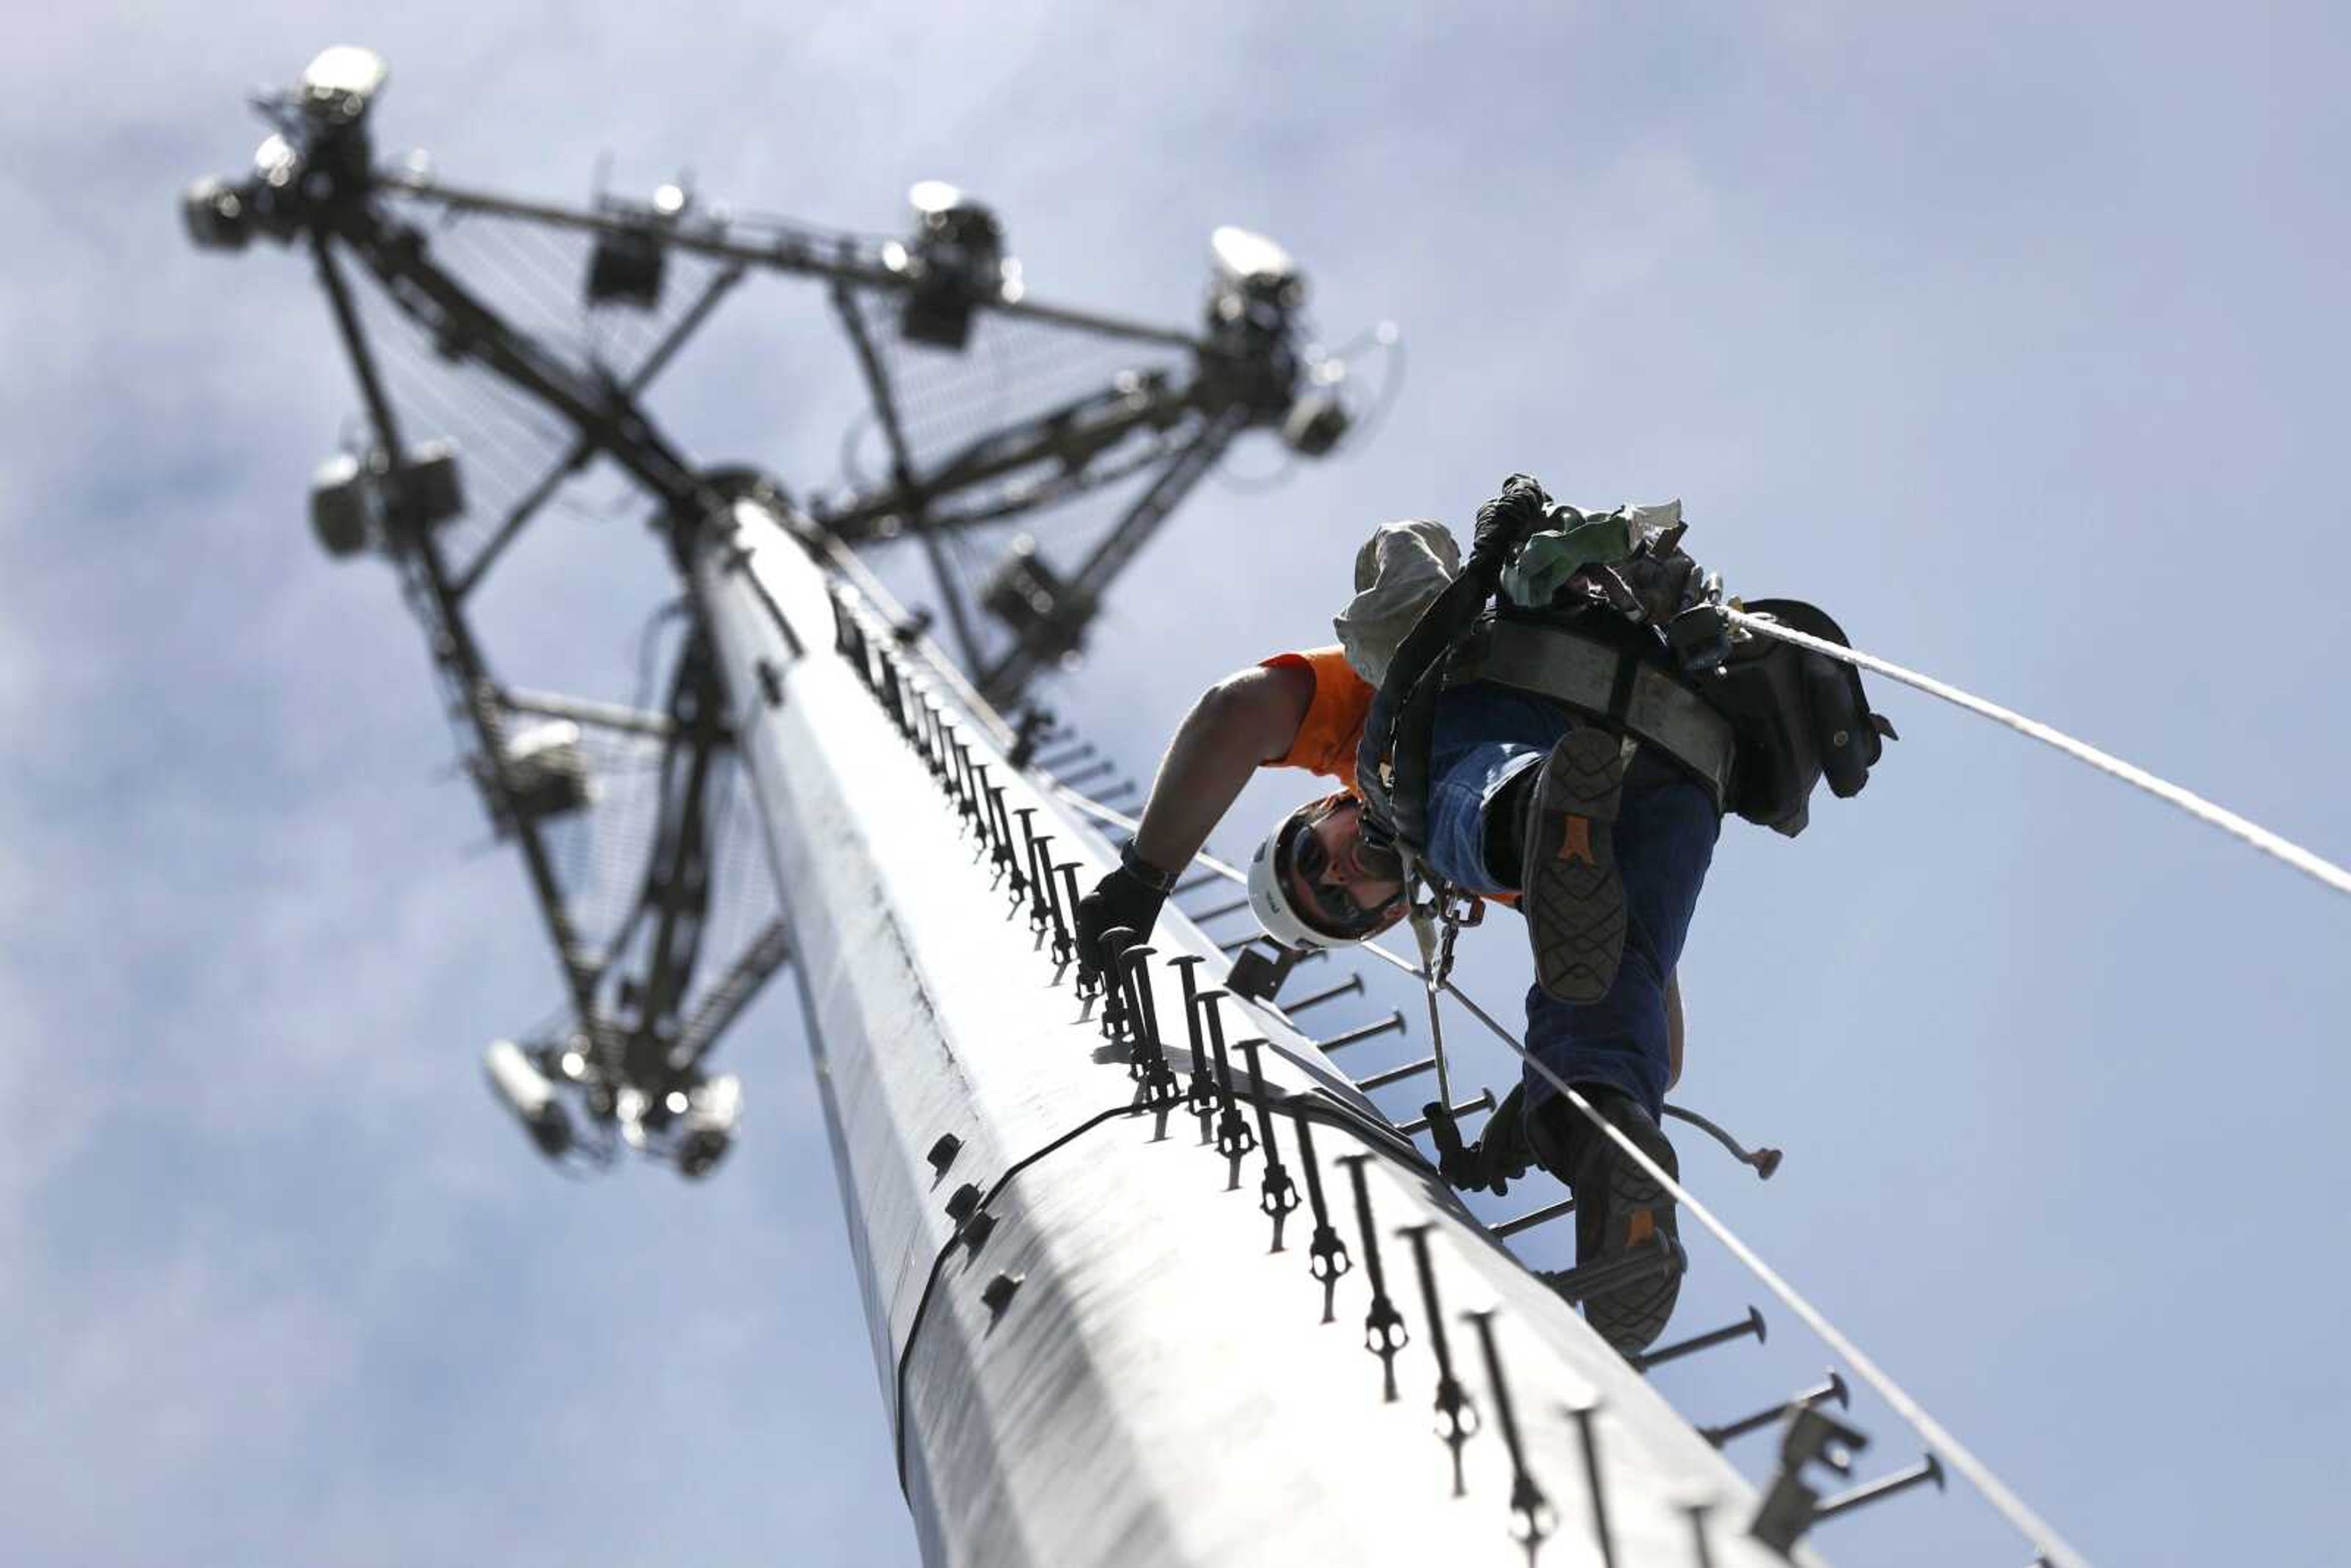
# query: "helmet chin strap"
[[1379, 855], [1380, 862]]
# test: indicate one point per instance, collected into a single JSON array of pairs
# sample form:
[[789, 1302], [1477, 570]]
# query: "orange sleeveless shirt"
[[1333, 727]]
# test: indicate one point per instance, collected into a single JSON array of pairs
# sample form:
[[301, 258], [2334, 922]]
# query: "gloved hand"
[[1123, 898], [1505, 520], [1502, 1153]]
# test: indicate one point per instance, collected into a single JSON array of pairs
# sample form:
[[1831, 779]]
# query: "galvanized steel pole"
[[1088, 1353]]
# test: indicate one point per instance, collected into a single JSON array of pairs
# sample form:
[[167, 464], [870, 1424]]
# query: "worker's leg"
[[1663, 838], [1614, 1050], [1484, 748], [1487, 743], [1614, 1053]]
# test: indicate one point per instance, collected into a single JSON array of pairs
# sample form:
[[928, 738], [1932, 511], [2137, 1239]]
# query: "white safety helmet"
[[1269, 885]]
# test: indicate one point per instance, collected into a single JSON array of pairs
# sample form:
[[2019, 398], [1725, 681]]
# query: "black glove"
[[1503, 1154], [1126, 897], [1506, 520]]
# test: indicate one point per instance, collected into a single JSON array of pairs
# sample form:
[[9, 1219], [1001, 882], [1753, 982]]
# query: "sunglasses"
[[1311, 860]]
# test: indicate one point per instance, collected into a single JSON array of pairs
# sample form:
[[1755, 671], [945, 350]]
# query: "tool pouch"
[[1800, 716]]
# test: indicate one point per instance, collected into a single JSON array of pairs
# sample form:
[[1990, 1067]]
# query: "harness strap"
[[1609, 684], [1391, 761]]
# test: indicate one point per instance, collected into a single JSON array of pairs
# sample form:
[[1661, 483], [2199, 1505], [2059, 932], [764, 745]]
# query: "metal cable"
[[2195, 805], [946, 1250], [2045, 1540]]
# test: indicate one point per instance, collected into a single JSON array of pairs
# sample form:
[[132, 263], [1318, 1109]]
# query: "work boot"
[[1618, 1206], [1570, 893]]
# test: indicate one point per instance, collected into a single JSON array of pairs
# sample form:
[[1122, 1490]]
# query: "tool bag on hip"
[[1800, 716]]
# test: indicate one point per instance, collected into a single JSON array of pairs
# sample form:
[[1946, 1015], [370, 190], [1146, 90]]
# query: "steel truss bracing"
[[642, 1015], [639, 1072]]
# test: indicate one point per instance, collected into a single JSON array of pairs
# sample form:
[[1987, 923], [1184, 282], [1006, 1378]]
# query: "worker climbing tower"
[[1150, 1279]]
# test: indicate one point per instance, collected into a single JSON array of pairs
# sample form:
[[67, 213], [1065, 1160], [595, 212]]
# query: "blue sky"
[[2011, 337]]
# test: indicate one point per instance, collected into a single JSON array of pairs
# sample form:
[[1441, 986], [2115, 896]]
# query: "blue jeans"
[[1486, 736]]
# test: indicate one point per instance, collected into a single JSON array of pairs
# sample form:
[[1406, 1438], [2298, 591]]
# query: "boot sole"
[[1632, 1317], [1571, 895]]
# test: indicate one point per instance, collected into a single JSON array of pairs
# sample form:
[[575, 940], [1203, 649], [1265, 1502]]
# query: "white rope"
[[2045, 1540], [2035, 1530], [2195, 805]]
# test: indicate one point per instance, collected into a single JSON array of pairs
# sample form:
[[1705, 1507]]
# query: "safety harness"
[[1756, 722], [1645, 649], [1604, 682]]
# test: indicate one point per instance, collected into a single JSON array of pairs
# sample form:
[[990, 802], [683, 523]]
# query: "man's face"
[[1339, 881]]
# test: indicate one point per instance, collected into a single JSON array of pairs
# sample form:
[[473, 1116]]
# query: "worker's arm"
[[1241, 723], [1244, 721], [1673, 1028]]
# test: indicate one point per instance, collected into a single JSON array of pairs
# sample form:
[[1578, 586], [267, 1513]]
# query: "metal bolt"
[[1928, 1468], [966, 791], [1390, 1024], [1584, 1415], [1142, 1009], [995, 827], [1750, 1324], [1065, 947], [1457, 1416], [1040, 883], [1017, 876], [998, 1292], [982, 813], [1834, 1389], [1234, 1138], [1115, 944], [1660, 1254], [1383, 1330], [1697, 1512], [1529, 1220], [1352, 985], [1485, 1101], [1397, 1075], [934, 738], [1278, 1195], [1196, 1094], [1326, 1255], [942, 747], [1534, 1521]]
